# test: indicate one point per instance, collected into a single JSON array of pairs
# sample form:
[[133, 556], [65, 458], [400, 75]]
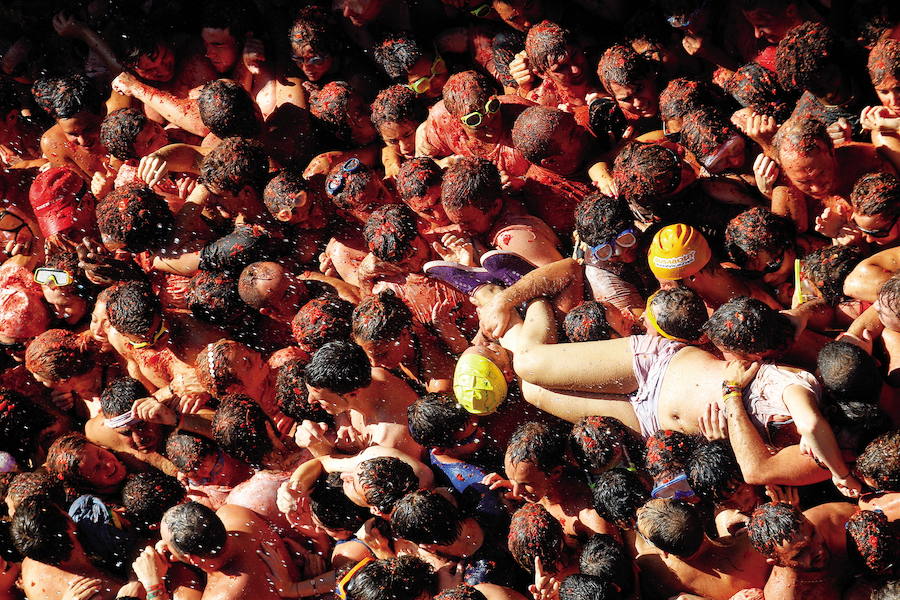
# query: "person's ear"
[[267, 312], [284, 214], [378, 513]]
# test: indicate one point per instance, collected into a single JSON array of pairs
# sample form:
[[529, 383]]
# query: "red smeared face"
[[100, 467], [638, 101], [401, 136], [813, 173], [314, 64], [805, 551], [157, 66], [82, 129], [519, 14], [569, 70], [390, 354], [471, 219], [429, 207], [769, 26], [888, 91], [151, 138]]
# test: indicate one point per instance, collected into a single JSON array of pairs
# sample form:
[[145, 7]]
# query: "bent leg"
[[571, 406]]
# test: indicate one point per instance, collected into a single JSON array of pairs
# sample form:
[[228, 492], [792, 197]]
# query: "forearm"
[[182, 158], [200, 423], [348, 292], [547, 281], [99, 45], [868, 321], [182, 112], [749, 449], [319, 585], [307, 473]]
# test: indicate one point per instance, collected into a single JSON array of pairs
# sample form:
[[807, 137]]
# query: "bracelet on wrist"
[[157, 591]]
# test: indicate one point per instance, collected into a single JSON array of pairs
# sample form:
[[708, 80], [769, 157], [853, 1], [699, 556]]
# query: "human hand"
[[124, 83], [66, 25], [151, 169], [848, 486], [832, 220], [254, 55], [64, 401], [326, 265], [713, 424], [740, 372], [311, 435], [153, 411], [102, 183], [96, 262], [840, 132], [494, 317], [288, 500], [783, 493], [283, 423], [278, 571], [150, 567], [450, 575], [694, 45], [760, 128], [455, 248], [520, 70], [545, 587], [607, 186], [865, 340], [22, 244], [766, 172], [185, 186], [82, 588], [868, 118]]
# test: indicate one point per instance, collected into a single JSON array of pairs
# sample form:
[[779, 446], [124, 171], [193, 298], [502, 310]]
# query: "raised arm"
[[867, 278], [182, 112]]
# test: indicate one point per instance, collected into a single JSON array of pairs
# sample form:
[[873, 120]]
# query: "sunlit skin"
[[401, 136], [222, 50], [67, 306], [82, 129], [637, 101], [528, 482], [814, 173], [429, 207], [313, 70], [151, 138], [101, 468], [880, 223], [283, 292], [519, 14], [143, 436], [732, 158], [158, 66], [422, 68], [390, 354], [568, 71], [805, 551], [99, 327], [888, 91]]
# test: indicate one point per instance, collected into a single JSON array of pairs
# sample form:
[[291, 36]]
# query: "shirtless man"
[[369, 403], [674, 555], [55, 561], [223, 544]]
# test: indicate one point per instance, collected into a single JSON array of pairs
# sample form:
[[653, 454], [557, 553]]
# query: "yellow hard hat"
[[478, 384], [678, 251]]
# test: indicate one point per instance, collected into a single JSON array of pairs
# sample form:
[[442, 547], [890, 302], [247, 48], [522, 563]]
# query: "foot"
[[459, 277], [506, 267]]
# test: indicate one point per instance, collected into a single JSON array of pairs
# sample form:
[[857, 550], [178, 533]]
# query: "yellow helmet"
[[678, 251], [478, 384]]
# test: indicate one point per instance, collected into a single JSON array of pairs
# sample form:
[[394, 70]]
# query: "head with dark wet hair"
[[599, 219], [288, 191], [240, 427], [227, 110], [391, 232], [245, 245], [756, 231], [538, 444], [396, 54], [504, 47], [874, 540], [682, 96], [67, 97], [713, 472], [756, 87], [341, 112], [401, 578], [435, 420], [57, 355], [41, 531], [884, 67], [602, 556], [548, 44], [618, 494], [601, 443], [333, 509], [606, 122], [34, 483], [119, 132], [535, 533], [550, 138], [418, 185], [147, 496], [587, 323], [384, 481], [748, 327], [236, 163], [426, 517], [292, 397], [133, 309], [212, 297], [471, 183], [889, 296], [645, 173], [21, 423], [621, 65], [773, 524], [461, 592], [313, 35], [135, 218], [398, 105], [810, 58], [680, 312], [188, 451], [119, 396], [381, 318], [340, 367], [673, 526], [194, 529], [802, 135], [322, 320], [580, 586], [361, 191], [848, 372], [467, 92], [879, 464], [877, 194], [710, 136], [827, 268], [669, 451]]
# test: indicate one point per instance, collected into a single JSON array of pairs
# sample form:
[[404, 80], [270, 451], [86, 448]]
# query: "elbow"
[[527, 366], [755, 476]]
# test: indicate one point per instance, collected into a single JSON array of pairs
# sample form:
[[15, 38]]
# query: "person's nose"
[[893, 99], [758, 33], [517, 490]]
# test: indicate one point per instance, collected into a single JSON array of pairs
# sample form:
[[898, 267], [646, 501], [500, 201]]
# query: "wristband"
[[735, 395], [157, 591]]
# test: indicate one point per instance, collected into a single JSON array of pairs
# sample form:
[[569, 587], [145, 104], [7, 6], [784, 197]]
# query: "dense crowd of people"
[[450, 299]]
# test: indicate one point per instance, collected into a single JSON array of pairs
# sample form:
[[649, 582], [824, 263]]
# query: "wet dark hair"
[[396, 54], [757, 230], [65, 97], [580, 586], [426, 517], [322, 320], [435, 419], [471, 182], [884, 60], [59, 354], [212, 297], [538, 444], [40, 531], [504, 47], [136, 216], [283, 192], [119, 396], [889, 295], [546, 42], [461, 592], [390, 232], [712, 469], [217, 366], [705, 130], [534, 131], [682, 96], [397, 104], [313, 28], [617, 496], [147, 496], [848, 372], [756, 87], [606, 122], [381, 318], [119, 130], [385, 480], [599, 219], [260, 271], [292, 397], [35, 483], [827, 268], [621, 65], [467, 91], [332, 508], [877, 194], [673, 526], [245, 245], [644, 174], [340, 367], [239, 427], [587, 323], [195, 529], [356, 185], [235, 164], [594, 441], [534, 532], [416, 175], [802, 134], [64, 458], [186, 450], [748, 326], [131, 308], [401, 578], [680, 312], [880, 461], [772, 524], [808, 57], [602, 556], [330, 109], [874, 541], [227, 110]]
